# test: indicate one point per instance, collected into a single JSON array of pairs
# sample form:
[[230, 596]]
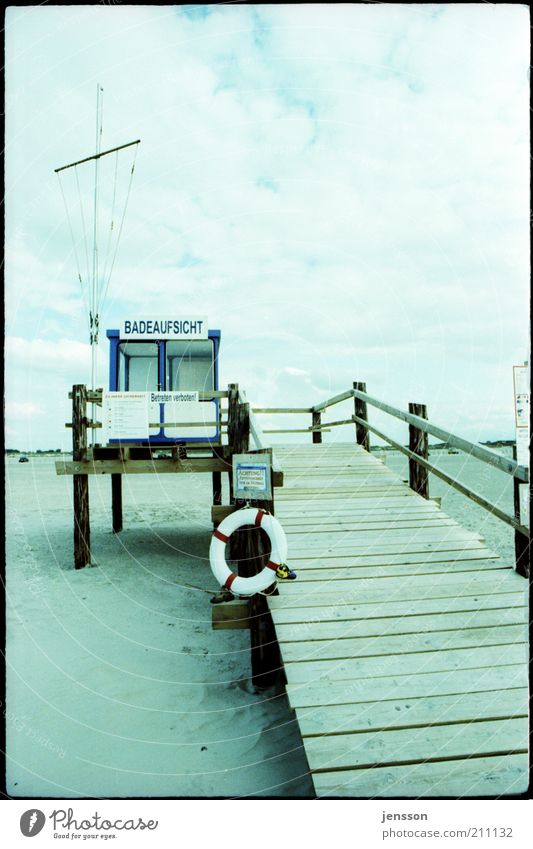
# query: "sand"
[[117, 685]]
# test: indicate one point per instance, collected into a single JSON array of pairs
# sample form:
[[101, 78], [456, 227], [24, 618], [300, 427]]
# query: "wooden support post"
[[362, 434], [233, 402], [250, 548], [217, 488], [418, 443], [316, 422], [521, 542], [82, 531], [116, 502]]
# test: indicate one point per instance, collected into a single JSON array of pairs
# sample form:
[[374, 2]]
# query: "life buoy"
[[217, 558]]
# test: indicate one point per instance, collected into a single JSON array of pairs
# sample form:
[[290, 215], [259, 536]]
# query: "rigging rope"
[[112, 217], [83, 223], [83, 292], [101, 301]]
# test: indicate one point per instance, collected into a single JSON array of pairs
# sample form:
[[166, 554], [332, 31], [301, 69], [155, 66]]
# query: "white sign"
[[251, 477], [159, 327], [126, 415], [522, 395], [173, 397]]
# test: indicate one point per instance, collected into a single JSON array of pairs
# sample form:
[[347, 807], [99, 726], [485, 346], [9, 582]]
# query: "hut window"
[[138, 367], [189, 365]]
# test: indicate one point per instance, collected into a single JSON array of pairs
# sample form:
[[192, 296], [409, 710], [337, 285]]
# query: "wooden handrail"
[[331, 401], [483, 454], [478, 499], [504, 464]]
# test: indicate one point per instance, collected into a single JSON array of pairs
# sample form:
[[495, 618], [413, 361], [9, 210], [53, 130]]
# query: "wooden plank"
[[418, 586], [485, 776], [391, 550], [403, 610], [354, 647], [417, 744], [370, 521], [335, 540], [348, 473], [422, 624], [333, 490], [356, 515], [444, 683], [132, 467], [405, 713], [335, 400], [405, 501], [416, 663], [282, 409], [452, 550], [363, 592], [231, 614], [306, 574], [368, 524], [440, 556]]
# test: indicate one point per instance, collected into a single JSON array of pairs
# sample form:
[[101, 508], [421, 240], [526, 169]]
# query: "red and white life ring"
[[217, 557]]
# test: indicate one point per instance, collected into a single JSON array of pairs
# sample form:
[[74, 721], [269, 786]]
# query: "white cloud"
[[342, 188]]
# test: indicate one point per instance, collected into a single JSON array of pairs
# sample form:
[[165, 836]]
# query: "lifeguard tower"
[[163, 380]]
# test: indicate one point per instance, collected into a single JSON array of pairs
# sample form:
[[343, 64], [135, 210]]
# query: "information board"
[[126, 415], [251, 477], [521, 399]]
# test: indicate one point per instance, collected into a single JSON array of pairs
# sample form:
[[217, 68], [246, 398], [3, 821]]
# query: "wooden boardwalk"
[[404, 639]]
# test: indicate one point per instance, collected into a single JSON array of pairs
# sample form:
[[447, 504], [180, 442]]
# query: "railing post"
[[316, 422], [418, 443], [233, 400], [521, 543], [82, 530], [362, 434]]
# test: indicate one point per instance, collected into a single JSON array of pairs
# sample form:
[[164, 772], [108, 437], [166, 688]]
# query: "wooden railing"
[[418, 451]]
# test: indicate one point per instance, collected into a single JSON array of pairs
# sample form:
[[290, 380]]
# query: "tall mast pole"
[[94, 318]]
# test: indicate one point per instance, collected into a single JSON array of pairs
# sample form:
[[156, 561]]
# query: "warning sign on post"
[[521, 397], [251, 477]]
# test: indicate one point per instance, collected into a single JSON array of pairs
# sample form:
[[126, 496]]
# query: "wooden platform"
[[404, 639]]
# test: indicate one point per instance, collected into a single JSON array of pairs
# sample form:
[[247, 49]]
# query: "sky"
[[343, 190]]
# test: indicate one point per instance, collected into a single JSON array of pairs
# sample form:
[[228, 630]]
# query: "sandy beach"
[[117, 685]]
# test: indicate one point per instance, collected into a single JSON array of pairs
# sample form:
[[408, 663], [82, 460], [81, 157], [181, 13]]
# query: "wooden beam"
[[299, 430], [231, 614], [335, 400], [418, 444], [141, 467], [287, 410], [116, 500], [82, 528], [478, 451], [521, 542], [316, 427], [478, 499], [362, 435]]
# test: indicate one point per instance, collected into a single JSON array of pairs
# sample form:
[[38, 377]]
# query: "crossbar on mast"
[[96, 156]]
